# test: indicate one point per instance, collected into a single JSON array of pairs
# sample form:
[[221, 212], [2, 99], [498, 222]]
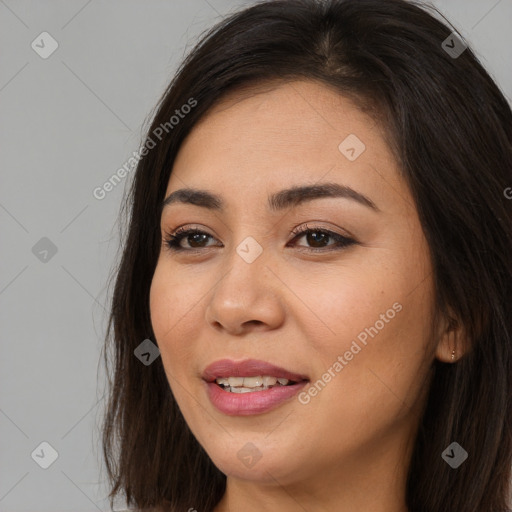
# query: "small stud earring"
[[453, 355]]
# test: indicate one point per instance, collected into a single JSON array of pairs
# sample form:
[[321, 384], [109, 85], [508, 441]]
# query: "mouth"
[[250, 386], [250, 374]]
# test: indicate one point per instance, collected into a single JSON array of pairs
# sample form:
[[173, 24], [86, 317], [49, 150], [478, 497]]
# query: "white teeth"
[[269, 381], [253, 382], [246, 384], [245, 390]]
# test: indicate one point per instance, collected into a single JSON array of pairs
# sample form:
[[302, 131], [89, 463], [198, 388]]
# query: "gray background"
[[68, 122]]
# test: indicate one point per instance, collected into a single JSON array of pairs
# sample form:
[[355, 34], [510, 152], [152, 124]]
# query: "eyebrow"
[[281, 200]]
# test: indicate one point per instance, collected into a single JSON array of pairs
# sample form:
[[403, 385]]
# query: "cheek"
[[174, 305], [344, 304], [383, 342], [379, 322]]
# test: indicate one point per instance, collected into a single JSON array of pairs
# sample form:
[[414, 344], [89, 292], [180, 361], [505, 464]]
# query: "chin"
[[264, 464], [262, 472]]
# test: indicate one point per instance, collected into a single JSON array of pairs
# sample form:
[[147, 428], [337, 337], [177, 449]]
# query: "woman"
[[319, 246]]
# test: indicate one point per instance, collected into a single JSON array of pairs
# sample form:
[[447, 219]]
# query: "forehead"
[[304, 113], [279, 135]]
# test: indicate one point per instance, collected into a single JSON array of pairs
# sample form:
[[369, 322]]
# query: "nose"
[[248, 297]]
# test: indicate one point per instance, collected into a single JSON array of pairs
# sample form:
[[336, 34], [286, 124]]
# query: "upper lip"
[[225, 368]]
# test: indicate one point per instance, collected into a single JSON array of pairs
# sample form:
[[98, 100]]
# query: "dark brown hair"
[[450, 129]]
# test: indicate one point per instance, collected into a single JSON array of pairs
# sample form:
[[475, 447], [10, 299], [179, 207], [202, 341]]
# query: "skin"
[[348, 449]]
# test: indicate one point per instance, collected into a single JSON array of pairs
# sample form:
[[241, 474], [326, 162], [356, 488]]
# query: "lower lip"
[[252, 402]]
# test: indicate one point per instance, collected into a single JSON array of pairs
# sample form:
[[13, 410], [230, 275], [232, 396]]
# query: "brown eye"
[[318, 239], [194, 237]]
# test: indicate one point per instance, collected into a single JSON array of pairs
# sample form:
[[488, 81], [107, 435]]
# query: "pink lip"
[[255, 402], [248, 368]]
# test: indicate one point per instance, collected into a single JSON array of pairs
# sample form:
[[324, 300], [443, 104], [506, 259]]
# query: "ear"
[[452, 340]]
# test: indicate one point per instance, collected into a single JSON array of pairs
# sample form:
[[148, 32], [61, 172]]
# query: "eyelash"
[[173, 240]]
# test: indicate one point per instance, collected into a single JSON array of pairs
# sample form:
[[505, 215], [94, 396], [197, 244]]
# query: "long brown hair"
[[450, 129]]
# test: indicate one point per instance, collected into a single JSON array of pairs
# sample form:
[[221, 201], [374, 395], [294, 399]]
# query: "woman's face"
[[346, 306]]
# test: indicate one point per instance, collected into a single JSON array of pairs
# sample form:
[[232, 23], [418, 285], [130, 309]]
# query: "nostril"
[[254, 322]]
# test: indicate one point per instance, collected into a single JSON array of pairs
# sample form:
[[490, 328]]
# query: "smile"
[[250, 384], [250, 387]]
